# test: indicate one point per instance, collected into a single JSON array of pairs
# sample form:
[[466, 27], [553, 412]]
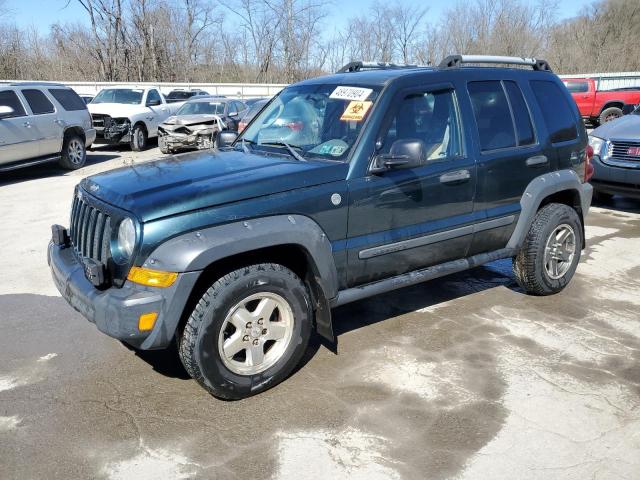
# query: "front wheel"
[[248, 331], [138, 138], [549, 257]]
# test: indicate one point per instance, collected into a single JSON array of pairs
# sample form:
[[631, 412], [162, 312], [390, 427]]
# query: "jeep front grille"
[[90, 231]]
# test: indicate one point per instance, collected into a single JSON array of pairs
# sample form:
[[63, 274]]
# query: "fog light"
[[151, 278], [147, 321]]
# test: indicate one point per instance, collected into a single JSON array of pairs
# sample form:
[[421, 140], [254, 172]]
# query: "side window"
[[521, 116], [241, 106], [430, 117], [38, 102], [69, 99], [8, 98], [493, 117], [233, 108], [577, 87], [153, 96], [556, 110]]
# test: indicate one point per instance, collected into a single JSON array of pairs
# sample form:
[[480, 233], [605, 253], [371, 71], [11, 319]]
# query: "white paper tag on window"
[[351, 93]]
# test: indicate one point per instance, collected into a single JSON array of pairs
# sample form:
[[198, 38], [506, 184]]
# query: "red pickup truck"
[[600, 106]]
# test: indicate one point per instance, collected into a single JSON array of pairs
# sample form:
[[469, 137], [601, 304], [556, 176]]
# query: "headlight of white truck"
[[126, 237]]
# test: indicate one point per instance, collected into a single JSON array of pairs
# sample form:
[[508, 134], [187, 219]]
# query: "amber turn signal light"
[[151, 278], [147, 321]]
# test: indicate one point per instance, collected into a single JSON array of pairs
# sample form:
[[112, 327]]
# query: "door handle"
[[62, 123], [27, 124], [455, 177], [537, 160]]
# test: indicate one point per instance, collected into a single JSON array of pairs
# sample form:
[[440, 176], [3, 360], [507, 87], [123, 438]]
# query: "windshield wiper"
[[290, 148]]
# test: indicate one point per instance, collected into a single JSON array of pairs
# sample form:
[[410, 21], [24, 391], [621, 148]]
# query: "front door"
[[17, 136], [403, 219]]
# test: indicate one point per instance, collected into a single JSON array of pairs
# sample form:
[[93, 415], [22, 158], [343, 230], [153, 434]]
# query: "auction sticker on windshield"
[[356, 111], [351, 93]]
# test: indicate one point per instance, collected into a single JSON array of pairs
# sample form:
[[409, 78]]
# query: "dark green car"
[[343, 187]]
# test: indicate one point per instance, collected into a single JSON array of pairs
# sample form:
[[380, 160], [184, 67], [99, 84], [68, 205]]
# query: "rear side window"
[[521, 117], [493, 117], [69, 99], [38, 102], [556, 110], [8, 98], [577, 87]]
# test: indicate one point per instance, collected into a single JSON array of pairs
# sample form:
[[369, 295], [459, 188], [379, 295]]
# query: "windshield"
[[201, 108], [321, 121], [131, 96]]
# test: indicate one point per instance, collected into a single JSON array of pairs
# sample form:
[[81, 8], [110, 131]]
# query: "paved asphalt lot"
[[463, 377]]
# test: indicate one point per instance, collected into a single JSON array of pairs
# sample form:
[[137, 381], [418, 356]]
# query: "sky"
[[43, 13]]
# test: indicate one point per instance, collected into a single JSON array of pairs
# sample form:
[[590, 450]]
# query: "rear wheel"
[[248, 331], [74, 152], [609, 114], [549, 257]]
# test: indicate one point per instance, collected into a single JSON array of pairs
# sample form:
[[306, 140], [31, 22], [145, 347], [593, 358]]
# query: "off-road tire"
[[608, 114], [74, 152], [528, 264], [138, 138], [198, 344]]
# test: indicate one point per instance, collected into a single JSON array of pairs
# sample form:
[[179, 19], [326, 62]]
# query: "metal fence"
[[609, 81], [605, 81], [237, 90]]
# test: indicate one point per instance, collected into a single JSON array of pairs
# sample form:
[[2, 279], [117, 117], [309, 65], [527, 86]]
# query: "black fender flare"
[[540, 188], [196, 250]]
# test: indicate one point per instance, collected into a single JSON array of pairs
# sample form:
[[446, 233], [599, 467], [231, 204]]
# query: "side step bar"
[[28, 163], [418, 276]]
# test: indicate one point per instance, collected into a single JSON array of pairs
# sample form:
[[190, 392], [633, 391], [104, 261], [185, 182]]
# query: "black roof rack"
[[454, 61], [360, 66]]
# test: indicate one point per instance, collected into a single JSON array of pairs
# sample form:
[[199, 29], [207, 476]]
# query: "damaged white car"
[[198, 122]]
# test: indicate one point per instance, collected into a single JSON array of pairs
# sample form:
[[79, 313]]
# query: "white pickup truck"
[[129, 115]]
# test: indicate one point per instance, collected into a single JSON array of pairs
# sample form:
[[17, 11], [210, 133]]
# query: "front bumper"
[[115, 311], [615, 179], [179, 141]]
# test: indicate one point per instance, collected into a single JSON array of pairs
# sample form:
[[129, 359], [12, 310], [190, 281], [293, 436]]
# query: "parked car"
[[249, 102], [43, 122], [600, 106], [197, 123], [251, 112], [397, 176], [181, 95], [129, 115], [616, 160]]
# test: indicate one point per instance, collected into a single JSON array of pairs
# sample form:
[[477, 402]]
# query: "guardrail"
[[239, 90]]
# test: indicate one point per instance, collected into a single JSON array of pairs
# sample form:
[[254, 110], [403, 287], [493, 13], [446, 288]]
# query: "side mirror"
[[233, 114], [405, 153], [6, 111], [153, 103], [628, 108], [225, 139]]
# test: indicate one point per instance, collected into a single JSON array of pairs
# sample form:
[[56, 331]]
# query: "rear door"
[[509, 155], [46, 125], [18, 138], [405, 219]]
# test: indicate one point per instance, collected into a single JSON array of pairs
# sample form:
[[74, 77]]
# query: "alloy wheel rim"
[[559, 251], [256, 333], [75, 151]]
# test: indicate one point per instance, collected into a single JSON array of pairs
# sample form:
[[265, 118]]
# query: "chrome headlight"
[[126, 237], [597, 144]]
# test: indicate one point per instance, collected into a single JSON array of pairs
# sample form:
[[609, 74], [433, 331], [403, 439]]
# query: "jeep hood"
[[115, 110], [177, 184]]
